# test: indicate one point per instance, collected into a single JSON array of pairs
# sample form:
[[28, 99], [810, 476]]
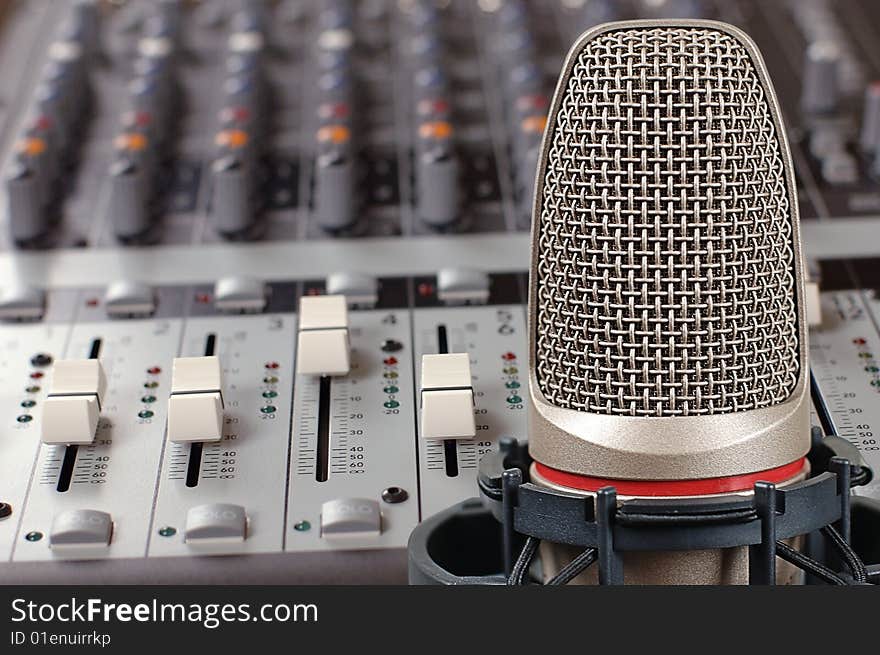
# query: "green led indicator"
[[145, 413], [269, 409], [391, 404], [514, 400], [270, 394], [302, 526], [148, 399], [25, 418], [167, 531], [391, 389], [513, 384], [28, 403], [34, 536]]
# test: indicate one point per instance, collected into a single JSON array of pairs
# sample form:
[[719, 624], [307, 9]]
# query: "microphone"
[[666, 293]]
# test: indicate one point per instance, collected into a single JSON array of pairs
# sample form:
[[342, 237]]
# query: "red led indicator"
[[859, 341], [234, 115], [426, 289], [143, 118], [43, 123], [154, 370], [203, 298], [508, 357], [432, 107], [330, 110], [132, 119], [532, 101], [312, 291], [390, 361], [36, 375], [92, 302], [272, 365]]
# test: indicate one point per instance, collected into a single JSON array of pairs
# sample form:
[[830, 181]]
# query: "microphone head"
[[667, 325]]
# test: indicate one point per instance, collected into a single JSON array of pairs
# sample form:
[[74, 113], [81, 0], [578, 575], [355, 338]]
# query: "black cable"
[[739, 515], [859, 475], [822, 411], [847, 554], [792, 556], [574, 568], [523, 562]]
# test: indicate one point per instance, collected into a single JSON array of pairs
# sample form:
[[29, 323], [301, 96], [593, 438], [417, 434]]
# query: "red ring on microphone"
[[704, 487]]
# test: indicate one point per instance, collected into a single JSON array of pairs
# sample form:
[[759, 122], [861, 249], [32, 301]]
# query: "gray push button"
[[215, 522], [240, 294], [79, 528], [129, 298], [840, 168], [22, 302], [458, 286], [358, 289], [350, 517]]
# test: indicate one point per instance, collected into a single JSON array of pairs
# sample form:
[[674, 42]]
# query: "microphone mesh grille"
[[665, 263]]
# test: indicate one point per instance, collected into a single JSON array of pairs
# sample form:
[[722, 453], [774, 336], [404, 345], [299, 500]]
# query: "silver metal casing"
[[670, 447]]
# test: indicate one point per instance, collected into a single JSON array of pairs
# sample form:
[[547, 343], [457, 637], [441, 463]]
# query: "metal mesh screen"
[[665, 264]]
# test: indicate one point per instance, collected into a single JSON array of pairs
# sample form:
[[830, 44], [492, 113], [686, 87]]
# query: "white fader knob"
[[70, 414], [195, 408], [447, 397], [813, 304], [812, 293], [323, 345]]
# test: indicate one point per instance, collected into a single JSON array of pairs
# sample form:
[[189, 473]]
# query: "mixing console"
[[178, 177]]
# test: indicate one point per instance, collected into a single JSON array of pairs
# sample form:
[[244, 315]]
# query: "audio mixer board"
[[176, 176]]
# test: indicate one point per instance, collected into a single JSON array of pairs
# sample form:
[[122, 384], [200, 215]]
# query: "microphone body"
[[668, 336]]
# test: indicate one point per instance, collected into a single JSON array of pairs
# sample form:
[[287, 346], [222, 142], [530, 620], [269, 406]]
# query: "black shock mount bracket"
[[816, 506]]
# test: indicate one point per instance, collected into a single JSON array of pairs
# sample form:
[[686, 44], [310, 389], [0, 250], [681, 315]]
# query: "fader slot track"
[[322, 462]]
